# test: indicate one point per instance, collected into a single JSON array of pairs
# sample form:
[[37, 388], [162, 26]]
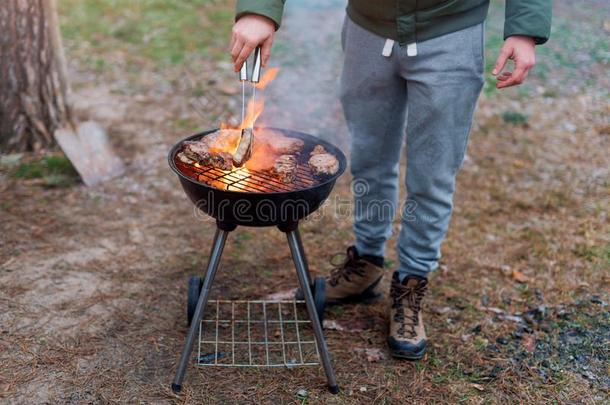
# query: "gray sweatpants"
[[433, 95]]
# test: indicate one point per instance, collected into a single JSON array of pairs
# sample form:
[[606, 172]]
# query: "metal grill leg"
[[219, 242], [302, 250], [298, 257]]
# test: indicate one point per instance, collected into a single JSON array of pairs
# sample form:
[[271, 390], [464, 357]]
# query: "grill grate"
[[256, 333], [245, 180]]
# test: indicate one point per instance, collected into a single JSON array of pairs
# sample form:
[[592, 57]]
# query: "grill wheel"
[[319, 296]]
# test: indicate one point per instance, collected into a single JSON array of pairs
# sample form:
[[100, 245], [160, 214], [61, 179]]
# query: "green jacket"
[[410, 21]]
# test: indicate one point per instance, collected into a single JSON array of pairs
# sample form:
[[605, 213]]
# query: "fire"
[[262, 155], [255, 107], [267, 78], [254, 110]]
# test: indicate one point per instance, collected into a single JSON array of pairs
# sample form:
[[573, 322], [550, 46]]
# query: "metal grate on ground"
[[245, 180], [256, 333]]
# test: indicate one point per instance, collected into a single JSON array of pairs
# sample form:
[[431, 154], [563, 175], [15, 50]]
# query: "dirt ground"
[[93, 280]]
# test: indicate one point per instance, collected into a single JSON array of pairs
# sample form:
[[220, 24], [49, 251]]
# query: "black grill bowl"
[[258, 209]]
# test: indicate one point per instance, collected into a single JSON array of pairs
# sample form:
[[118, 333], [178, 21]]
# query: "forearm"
[[530, 18]]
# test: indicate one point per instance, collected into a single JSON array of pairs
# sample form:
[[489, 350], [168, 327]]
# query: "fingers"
[[245, 51], [266, 50], [517, 77], [505, 54], [232, 42], [237, 50], [237, 44], [513, 79], [504, 76]]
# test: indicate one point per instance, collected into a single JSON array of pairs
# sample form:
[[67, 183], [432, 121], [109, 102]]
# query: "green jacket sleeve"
[[269, 8], [531, 18]]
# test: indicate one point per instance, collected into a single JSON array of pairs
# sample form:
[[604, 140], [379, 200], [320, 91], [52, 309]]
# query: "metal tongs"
[[244, 149]]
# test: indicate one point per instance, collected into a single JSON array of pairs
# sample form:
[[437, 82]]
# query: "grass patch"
[[593, 253], [159, 30], [56, 171], [514, 118]]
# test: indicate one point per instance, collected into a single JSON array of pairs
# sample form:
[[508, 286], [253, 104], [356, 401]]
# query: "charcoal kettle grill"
[[242, 197]]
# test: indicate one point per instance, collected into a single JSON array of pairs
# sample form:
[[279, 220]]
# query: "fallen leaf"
[[478, 387], [443, 310], [529, 343], [512, 318], [519, 277], [492, 309], [332, 325], [372, 355], [302, 394], [518, 163], [282, 295], [354, 326]]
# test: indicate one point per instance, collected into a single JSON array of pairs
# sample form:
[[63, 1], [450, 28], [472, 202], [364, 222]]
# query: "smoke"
[[307, 49]]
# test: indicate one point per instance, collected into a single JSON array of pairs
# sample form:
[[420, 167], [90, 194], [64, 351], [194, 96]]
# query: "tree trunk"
[[33, 87]]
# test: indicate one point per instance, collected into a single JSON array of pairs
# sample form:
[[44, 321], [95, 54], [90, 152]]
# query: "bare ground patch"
[[93, 281]]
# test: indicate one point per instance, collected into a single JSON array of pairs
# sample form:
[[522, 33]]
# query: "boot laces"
[[345, 265], [411, 297]]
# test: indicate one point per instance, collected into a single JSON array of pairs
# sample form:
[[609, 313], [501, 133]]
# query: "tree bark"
[[33, 87]]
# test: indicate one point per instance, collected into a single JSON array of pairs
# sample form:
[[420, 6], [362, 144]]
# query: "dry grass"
[[94, 280]]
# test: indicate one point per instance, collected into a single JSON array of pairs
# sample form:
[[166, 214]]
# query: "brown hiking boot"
[[407, 339], [352, 280]]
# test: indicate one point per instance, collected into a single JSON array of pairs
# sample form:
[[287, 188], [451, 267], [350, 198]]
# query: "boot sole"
[[402, 355], [368, 296]]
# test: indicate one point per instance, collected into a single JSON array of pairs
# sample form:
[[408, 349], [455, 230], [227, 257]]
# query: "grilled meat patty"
[[318, 149], [322, 163], [285, 168]]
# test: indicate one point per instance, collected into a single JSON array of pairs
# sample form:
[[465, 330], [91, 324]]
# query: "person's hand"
[[520, 49], [249, 32]]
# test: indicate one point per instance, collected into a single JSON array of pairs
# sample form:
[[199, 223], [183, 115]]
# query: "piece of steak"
[[222, 140], [279, 143], [220, 160], [195, 150], [184, 159], [199, 152]]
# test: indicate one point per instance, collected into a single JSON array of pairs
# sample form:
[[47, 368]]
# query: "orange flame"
[[267, 78], [263, 156], [254, 110], [255, 107]]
